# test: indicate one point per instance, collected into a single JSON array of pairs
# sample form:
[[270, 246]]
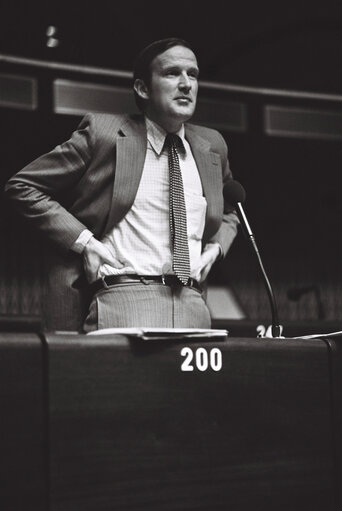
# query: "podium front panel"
[[131, 427], [23, 441], [335, 346]]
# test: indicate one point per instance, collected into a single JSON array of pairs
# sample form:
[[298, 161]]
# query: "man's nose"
[[184, 82]]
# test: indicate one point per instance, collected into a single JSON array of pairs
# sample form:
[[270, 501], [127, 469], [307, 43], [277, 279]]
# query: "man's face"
[[172, 92]]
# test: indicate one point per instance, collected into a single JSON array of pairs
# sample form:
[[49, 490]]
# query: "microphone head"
[[234, 192]]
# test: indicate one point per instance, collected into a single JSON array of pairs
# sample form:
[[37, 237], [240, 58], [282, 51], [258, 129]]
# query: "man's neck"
[[161, 129], [169, 126]]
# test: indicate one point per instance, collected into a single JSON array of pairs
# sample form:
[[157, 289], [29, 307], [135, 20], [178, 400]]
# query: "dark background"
[[292, 183], [292, 44]]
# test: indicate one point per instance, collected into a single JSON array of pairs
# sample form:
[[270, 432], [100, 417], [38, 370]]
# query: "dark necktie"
[[177, 212]]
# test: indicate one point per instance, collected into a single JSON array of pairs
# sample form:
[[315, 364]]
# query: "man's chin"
[[184, 114]]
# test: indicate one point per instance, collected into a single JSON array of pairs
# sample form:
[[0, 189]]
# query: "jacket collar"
[[134, 125]]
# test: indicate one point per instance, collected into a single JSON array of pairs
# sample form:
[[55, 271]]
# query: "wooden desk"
[[108, 423], [128, 429]]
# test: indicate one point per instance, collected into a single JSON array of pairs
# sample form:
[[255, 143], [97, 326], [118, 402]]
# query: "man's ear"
[[141, 89]]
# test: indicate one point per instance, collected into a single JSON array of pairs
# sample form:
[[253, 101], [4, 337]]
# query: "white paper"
[[163, 333]]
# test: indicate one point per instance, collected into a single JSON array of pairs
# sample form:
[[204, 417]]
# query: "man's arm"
[[33, 189]]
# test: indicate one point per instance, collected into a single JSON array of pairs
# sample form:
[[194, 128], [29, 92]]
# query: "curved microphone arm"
[[276, 331]]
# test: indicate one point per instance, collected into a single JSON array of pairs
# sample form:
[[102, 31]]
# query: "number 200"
[[202, 359]]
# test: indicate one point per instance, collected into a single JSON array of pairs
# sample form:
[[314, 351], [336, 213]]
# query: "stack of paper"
[[163, 333]]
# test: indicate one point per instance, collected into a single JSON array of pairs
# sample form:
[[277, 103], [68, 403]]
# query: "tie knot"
[[173, 140]]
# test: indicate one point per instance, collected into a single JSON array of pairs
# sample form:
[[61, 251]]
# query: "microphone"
[[235, 195]]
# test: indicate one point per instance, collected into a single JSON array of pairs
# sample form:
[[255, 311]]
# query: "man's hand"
[[94, 255], [209, 255]]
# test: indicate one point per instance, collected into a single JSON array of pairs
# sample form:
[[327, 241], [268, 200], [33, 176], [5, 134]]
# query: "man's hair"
[[142, 67]]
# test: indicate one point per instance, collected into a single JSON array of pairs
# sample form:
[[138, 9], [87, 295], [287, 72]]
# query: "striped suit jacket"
[[91, 181]]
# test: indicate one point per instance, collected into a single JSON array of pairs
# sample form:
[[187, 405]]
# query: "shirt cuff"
[[79, 245]]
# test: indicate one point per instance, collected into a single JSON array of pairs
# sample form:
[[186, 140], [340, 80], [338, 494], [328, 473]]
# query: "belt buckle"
[[163, 280], [190, 282]]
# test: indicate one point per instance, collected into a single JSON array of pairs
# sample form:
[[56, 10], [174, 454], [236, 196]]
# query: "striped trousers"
[[147, 305]]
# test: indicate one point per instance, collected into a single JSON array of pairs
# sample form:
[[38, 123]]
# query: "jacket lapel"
[[201, 152], [210, 171], [130, 157]]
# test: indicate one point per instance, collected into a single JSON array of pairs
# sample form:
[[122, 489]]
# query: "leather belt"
[[166, 280]]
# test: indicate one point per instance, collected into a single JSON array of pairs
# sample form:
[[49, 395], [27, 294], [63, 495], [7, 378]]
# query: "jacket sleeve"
[[228, 229], [33, 190]]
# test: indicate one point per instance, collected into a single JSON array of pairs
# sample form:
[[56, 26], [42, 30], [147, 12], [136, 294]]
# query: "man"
[[139, 213]]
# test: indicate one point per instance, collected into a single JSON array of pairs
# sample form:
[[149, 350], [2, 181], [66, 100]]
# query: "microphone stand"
[[249, 234]]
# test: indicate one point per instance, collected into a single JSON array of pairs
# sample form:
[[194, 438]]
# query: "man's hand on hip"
[[209, 255], [94, 255]]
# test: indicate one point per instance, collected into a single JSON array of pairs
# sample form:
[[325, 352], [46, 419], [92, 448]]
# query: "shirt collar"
[[156, 135]]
